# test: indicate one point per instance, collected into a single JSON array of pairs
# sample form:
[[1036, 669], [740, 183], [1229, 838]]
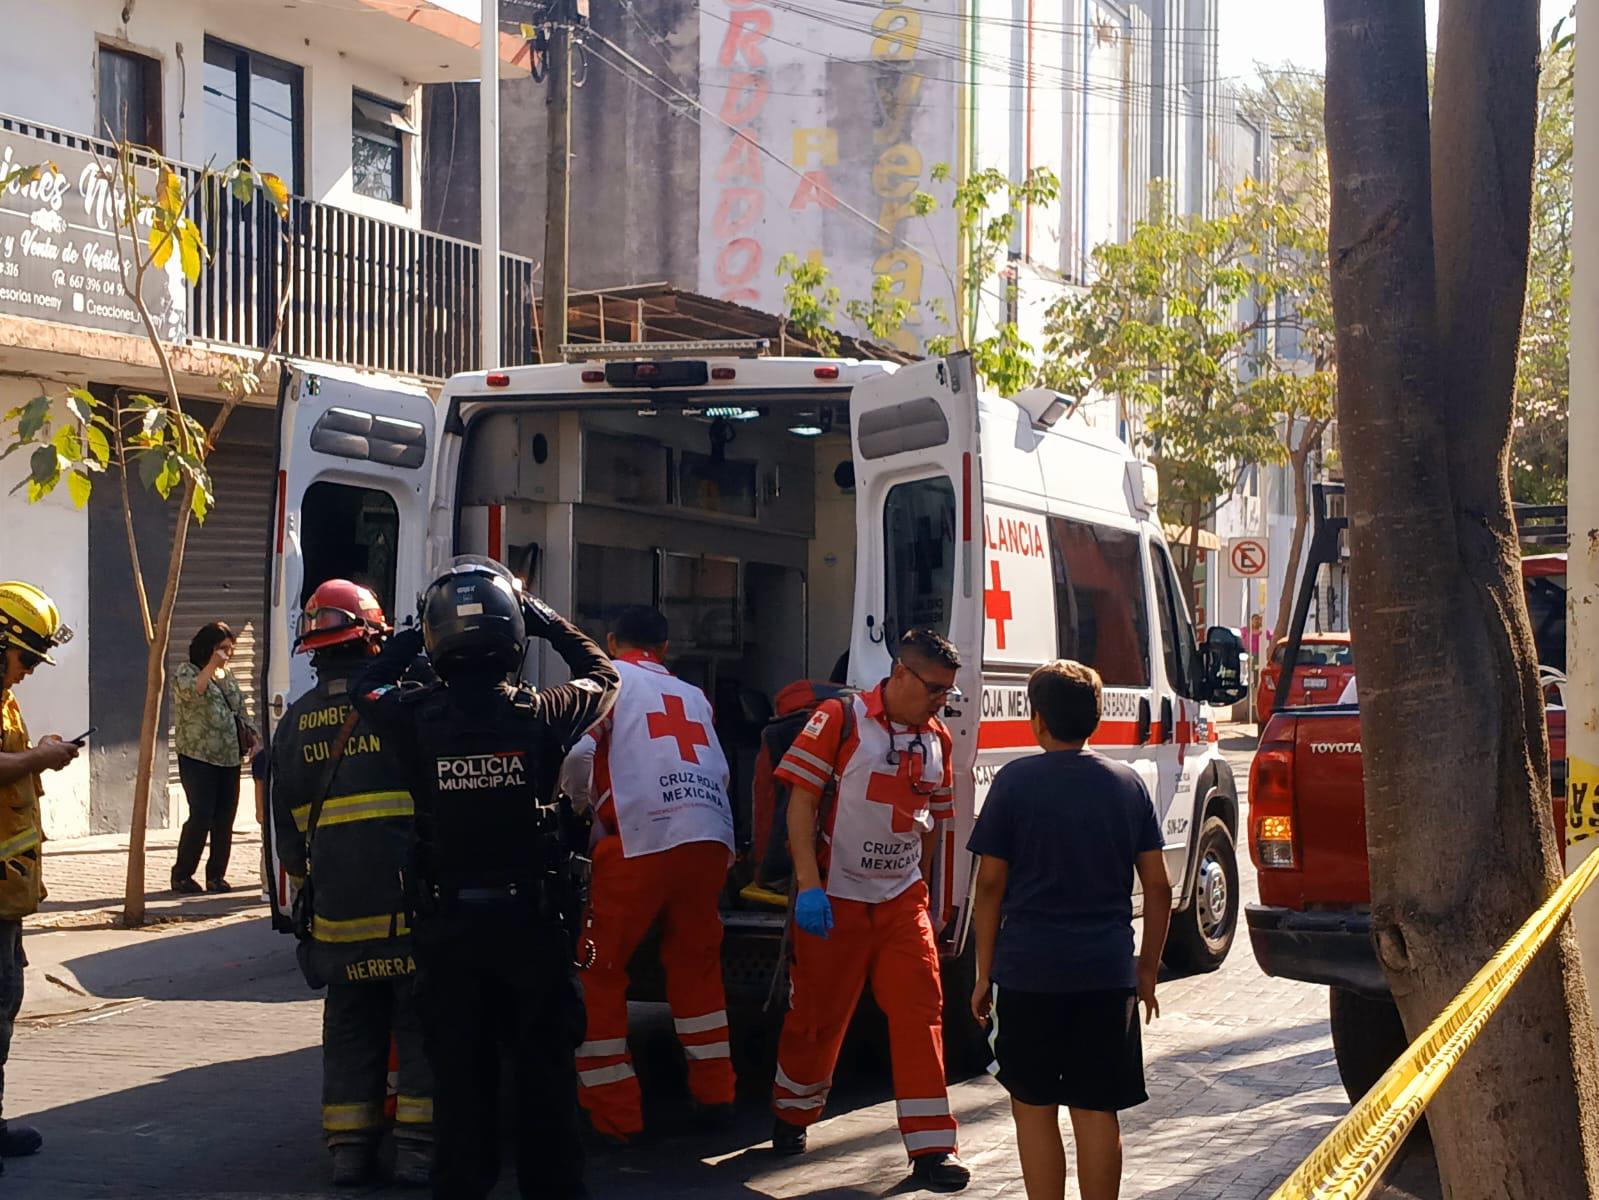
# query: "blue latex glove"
[[813, 912]]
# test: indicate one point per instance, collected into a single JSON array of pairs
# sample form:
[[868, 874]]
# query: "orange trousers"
[[679, 887], [892, 945]]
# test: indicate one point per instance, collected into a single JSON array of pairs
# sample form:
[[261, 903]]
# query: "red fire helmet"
[[337, 612]]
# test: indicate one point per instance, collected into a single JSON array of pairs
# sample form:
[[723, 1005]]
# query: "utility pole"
[[489, 184], [564, 18], [1582, 499]]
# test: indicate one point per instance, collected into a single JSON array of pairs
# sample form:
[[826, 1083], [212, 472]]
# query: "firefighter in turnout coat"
[[870, 780], [664, 832], [342, 816]]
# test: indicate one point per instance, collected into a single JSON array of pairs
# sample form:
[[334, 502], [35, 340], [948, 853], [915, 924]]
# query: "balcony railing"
[[361, 292]]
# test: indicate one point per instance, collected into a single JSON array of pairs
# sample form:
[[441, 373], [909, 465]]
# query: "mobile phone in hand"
[[84, 736]]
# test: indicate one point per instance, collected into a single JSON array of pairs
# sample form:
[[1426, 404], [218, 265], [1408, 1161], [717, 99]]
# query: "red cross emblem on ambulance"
[[996, 604], [675, 723]]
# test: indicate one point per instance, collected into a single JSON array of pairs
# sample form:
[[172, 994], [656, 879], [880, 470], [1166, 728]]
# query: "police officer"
[[30, 628], [342, 815], [481, 755]]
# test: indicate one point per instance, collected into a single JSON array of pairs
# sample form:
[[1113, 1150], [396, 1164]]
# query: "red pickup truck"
[[1307, 837]]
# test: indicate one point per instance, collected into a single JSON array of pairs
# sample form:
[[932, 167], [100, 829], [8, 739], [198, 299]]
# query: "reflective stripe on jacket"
[[21, 833], [361, 845]]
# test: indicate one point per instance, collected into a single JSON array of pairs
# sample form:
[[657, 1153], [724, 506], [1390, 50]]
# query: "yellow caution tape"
[[1350, 1162]]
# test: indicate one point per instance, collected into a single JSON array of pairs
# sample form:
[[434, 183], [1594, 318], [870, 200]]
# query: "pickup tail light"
[[1271, 803], [1275, 838]]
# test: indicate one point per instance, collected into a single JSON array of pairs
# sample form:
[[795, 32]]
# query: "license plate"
[[1314, 684]]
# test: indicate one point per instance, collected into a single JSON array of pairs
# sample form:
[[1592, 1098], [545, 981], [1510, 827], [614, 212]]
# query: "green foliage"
[[884, 314], [80, 436], [988, 208], [1181, 322], [810, 302], [1538, 450]]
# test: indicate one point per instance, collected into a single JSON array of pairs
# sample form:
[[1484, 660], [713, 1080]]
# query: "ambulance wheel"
[[1202, 934], [1367, 1036], [966, 1048]]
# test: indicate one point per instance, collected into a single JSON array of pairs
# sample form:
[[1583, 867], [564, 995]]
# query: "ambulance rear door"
[[354, 484], [918, 495]]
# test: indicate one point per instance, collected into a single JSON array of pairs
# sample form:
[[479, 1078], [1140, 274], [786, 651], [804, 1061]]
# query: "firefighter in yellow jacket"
[[30, 628]]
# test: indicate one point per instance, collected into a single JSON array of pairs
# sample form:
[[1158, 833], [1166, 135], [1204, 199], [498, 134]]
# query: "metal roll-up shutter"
[[224, 575]]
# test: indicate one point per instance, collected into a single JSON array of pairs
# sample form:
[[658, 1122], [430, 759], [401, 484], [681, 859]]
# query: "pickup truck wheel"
[[1202, 934], [1367, 1036], [966, 1048]]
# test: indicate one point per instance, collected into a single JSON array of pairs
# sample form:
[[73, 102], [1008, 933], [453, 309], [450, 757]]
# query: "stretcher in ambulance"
[[791, 517]]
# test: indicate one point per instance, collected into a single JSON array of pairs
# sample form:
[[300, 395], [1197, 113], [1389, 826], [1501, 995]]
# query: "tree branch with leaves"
[[150, 436]]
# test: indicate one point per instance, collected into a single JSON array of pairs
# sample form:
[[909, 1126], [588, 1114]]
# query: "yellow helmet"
[[30, 621]]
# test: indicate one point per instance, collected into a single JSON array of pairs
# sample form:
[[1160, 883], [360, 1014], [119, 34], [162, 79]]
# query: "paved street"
[[208, 1086]]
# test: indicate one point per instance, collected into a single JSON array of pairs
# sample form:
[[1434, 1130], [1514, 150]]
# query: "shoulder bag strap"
[[339, 745], [829, 798]]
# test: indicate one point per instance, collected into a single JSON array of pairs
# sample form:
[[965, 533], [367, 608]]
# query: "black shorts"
[[1076, 1049]]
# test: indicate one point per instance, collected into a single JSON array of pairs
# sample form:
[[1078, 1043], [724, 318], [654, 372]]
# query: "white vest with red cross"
[[893, 787], [659, 773]]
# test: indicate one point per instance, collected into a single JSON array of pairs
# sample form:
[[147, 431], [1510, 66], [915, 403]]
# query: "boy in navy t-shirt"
[[1060, 837]]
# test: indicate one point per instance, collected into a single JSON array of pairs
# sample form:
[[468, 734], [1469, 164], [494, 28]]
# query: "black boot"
[[352, 1163], [787, 1140], [940, 1172], [19, 1141]]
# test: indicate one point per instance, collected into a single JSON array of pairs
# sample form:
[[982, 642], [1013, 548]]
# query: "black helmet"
[[472, 619]]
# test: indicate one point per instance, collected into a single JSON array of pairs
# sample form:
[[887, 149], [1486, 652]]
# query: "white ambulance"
[[784, 513]]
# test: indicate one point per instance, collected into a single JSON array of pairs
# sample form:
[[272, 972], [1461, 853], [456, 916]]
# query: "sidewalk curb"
[[54, 994]]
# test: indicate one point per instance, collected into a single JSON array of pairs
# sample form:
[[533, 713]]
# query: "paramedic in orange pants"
[[870, 779], [658, 783]]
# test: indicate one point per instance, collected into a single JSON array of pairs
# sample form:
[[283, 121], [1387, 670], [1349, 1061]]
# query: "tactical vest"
[[360, 847], [482, 774]]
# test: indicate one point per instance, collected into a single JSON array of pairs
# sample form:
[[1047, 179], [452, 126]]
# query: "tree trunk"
[[1190, 559], [1459, 827], [155, 683], [1298, 478]]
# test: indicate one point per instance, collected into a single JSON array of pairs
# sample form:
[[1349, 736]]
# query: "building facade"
[[327, 96], [710, 139]]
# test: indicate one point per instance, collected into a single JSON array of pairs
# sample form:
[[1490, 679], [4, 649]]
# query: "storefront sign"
[[59, 259]]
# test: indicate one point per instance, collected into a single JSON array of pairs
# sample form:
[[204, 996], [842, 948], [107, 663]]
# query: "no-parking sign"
[[1246, 558]]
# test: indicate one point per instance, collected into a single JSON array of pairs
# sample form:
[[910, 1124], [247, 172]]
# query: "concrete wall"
[[47, 546], [49, 74], [635, 164]]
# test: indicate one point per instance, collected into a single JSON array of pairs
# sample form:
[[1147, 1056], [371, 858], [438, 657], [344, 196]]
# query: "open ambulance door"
[[354, 486], [918, 501]]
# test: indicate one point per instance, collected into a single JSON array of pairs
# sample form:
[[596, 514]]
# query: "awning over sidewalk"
[[1180, 535]]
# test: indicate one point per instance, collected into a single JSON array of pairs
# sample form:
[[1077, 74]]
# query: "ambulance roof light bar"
[[621, 351]]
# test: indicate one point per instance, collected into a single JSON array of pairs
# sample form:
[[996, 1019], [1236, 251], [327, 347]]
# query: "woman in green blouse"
[[213, 736]]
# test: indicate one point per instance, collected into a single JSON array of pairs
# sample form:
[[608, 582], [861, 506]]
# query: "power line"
[[893, 237], [1138, 95], [949, 51]]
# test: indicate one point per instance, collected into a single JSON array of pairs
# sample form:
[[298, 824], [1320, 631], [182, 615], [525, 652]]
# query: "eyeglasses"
[[29, 660], [934, 690], [916, 751]]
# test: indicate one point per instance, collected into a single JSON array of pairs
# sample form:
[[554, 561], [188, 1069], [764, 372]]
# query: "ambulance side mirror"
[[1225, 682]]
